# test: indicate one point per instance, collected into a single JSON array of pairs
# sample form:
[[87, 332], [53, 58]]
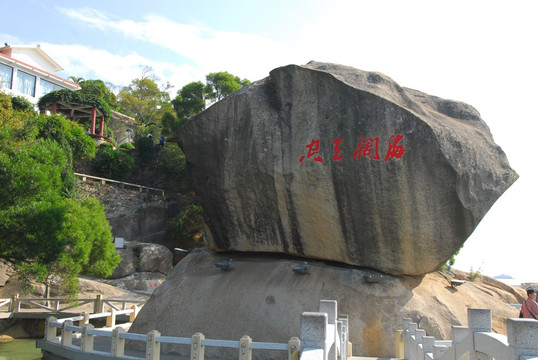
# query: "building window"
[[25, 83], [6, 76], [47, 87]]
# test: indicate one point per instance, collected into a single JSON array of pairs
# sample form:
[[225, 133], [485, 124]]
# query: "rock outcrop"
[[143, 257], [329, 162], [133, 215], [262, 297]]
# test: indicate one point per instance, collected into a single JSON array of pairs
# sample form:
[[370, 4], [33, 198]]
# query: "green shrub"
[[171, 161], [185, 229], [473, 275], [145, 149], [113, 164], [20, 103], [127, 146], [105, 145]]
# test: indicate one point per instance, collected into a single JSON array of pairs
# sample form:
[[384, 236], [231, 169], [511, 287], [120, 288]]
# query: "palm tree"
[[76, 80]]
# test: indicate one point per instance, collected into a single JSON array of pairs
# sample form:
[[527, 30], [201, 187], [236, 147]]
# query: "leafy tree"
[[44, 229], [170, 124], [190, 100], [222, 84], [76, 80], [144, 100], [171, 161], [99, 89], [114, 164], [70, 137], [78, 239], [145, 147]]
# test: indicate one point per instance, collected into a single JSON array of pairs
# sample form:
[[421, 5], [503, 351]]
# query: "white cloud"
[[245, 55]]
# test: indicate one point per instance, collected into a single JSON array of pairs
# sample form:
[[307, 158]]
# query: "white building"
[[28, 71]]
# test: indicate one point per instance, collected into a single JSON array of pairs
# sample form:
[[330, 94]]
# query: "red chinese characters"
[[395, 150], [366, 148], [313, 149], [337, 150]]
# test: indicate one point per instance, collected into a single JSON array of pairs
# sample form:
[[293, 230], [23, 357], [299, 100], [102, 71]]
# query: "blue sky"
[[479, 52]]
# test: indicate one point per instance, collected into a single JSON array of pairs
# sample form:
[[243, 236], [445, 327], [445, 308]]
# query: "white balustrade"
[[477, 341], [324, 336]]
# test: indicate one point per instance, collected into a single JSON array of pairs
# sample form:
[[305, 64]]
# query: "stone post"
[[67, 335], [97, 304], [331, 308], [342, 335], [153, 347], [294, 347], [197, 348], [419, 349], [344, 319], [86, 344], [134, 314], [50, 331], [479, 319], [117, 348], [438, 351], [458, 335], [111, 319], [522, 336], [85, 319], [245, 352], [314, 331], [410, 348], [399, 341], [427, 344], [15, 303]]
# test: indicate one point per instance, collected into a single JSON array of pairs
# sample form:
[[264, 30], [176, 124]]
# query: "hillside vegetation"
[[46, 230]]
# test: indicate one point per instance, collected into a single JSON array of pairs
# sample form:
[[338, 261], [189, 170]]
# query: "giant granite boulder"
[[327, 161]]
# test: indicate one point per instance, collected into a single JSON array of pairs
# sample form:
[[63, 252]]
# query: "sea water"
[[20, 349]]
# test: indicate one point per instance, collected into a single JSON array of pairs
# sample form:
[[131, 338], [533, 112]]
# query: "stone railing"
[[16, 304], [323, 337], [477, 341]]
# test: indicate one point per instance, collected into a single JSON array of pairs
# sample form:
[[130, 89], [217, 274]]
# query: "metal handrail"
[[105, 180]]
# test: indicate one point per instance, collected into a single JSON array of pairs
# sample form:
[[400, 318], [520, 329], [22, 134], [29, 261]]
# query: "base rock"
[[263, 298]]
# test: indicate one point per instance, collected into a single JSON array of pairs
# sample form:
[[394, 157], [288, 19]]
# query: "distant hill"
[[503, 276]]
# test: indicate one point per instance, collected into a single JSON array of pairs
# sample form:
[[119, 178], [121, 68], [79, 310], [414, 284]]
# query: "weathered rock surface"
[[405, 177], [6, 271], [155, 258], [143, 257], [128, 264], [140, 282], [263, 298], [132, 214]]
